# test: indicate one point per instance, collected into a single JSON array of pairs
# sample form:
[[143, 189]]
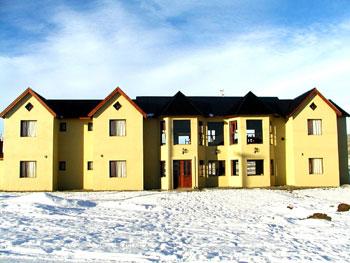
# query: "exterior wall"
[[195, 152], [151, 138], [128, 148], [2, 175], [71, 150], [278, 150], [343, 151], [88, 156], [39, 148], [301, 146]]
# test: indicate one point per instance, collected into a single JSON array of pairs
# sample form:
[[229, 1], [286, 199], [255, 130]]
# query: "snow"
[[236, 225]]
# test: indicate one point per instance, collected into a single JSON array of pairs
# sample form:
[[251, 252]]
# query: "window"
[[254, 132], [90, 126], [29, 106], [233, 132], [28, 128], [272, 167], [201, 168], [62, 165], [182, 131], [215, 133], [255, 167], [235, 167], [63, 126], [200, 133], [313, 106], [314, 127], [162, 169], [162, 133], [117, 127], [90, 165], [216, 168], [27, 169], [315, 166], [117, 169], [117, 105]]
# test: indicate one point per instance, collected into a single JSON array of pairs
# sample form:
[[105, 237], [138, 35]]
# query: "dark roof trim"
[[344, 113], [308, 96], [110, 96], [20, 97]]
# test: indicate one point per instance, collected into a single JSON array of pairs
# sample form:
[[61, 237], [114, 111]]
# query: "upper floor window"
[[63, 126], [27, 169], [215, 133], [200, 133], [90, 126], [182, 131], [233, 132], [117, 127], [117, 169], [162, 133], [254, 131], [315, 166], [314, 127], [28, 128], [255, 167]]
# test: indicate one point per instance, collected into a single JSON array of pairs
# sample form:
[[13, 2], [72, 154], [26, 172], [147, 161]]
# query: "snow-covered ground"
[[210, 225]]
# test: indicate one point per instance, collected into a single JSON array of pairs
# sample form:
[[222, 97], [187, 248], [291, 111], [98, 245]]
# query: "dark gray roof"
[[72, 108]]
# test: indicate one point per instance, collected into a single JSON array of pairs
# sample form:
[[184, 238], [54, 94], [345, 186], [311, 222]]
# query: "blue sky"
[[84, 49]]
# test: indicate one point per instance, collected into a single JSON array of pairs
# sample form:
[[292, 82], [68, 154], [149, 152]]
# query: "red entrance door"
[[182, 173]]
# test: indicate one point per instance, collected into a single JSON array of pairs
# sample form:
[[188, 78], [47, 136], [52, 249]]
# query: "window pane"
[[27, 169], [162, 133], [255, 167], [28, 129], [315, 166], [314, 127], [117, 127], [182, 131], [117, 169], [233, 132], [215, 133], [254, 131], [235, 168]]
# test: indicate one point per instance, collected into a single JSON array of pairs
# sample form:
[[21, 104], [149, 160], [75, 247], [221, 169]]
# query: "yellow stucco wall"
[[71, 150], [301, 146], [128, 148], [88, 175], [39, 148]]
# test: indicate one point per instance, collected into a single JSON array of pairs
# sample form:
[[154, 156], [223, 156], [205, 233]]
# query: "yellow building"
[[172, 142]]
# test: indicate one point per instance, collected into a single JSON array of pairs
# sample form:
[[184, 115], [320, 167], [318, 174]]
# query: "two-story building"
[[172, 142]]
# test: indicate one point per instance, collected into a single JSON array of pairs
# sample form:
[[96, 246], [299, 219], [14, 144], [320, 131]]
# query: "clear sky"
[[84, 49]]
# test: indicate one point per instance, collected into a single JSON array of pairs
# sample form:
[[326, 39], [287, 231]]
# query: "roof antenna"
[[222, 92]]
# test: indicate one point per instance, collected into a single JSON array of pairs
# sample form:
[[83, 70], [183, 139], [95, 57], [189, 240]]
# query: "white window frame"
[[314, 127], [117, 169], [117, 127], [27, 169], [28, 128], [316, 166]]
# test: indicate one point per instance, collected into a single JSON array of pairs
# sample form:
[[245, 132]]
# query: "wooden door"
[[182, 173]]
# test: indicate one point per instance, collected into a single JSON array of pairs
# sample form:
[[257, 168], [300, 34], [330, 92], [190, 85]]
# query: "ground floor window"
[[235, 167], [90, 165], [201, 168], [27, 169], [62, 166], [272, 167], [255, 167], [117, 169], [315, 166], [162, 168], [216, 168]]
